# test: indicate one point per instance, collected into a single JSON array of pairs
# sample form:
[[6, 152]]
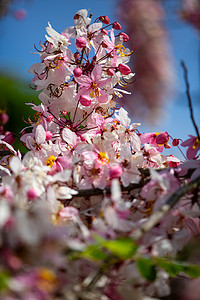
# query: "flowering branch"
[[80, 145], [165, 208]]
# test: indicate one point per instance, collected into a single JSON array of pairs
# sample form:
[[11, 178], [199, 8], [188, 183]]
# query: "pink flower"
[[81, 42], [159, 139], [193, 145], [69, 212], [93, 85]]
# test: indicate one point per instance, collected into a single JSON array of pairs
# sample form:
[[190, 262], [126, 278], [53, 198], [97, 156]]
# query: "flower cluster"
[[72, 206]]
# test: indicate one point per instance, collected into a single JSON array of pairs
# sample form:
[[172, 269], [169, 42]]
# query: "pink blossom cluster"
[[89, 179]]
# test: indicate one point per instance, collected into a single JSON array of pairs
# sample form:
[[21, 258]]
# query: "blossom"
[[88, 182], [93, 85], [193, 145], [56, 39]]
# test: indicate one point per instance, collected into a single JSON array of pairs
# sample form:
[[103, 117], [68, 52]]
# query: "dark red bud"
[[116, 26], [110, 72], [124, 36], [162, 138], [76, 55], [104, 44], [104, 31], [105, 20], [175, 142]]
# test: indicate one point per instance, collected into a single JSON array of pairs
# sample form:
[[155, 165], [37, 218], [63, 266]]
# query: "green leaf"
[[192, 271], [174, 268], [171, 268], [147, 268], [124, 248], [3, 280], [94, 252]]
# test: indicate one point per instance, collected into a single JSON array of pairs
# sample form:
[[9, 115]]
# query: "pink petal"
[[96, 73], [103, 82], [84, 80]]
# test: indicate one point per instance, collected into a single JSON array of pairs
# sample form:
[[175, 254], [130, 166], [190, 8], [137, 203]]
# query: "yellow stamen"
[[121, 50], [46, 280], [94, 91], [50, 161], [103, 158], [196, 143]]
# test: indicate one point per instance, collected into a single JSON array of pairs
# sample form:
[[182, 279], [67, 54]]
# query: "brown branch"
[[189, 98], [169, 204], [107, 190]]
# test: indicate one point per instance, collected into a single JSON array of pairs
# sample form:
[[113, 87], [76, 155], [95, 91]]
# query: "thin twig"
[[189, 98], [169, 204]]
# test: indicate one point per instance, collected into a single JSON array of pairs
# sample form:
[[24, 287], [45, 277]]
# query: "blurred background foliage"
[[14, 94]]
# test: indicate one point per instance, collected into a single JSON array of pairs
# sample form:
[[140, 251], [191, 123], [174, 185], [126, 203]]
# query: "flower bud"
[[32, 194], [64, 112], [50, 118], [124, 36], [175, 142], [173, 164], [9, 137], [104, 44], [110, 72], [116, 26], [125, 70], [104, 31], [76, 55], [4, 118], [85, 100], [115, 172], [162, 138], [81, 42], [105, 20], [49, 135], [77, 72]]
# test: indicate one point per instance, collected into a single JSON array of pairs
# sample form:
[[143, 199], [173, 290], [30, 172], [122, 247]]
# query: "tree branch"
[[169, 204], [189, 98]]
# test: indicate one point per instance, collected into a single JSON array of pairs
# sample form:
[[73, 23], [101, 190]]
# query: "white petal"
[[40, 135], [15, 165], [69, 136]]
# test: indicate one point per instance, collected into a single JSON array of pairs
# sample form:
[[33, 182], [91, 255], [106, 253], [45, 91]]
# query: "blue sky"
[[17, 40]]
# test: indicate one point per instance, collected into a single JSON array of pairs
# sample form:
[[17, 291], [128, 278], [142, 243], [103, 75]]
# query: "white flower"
[[58, 40]]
